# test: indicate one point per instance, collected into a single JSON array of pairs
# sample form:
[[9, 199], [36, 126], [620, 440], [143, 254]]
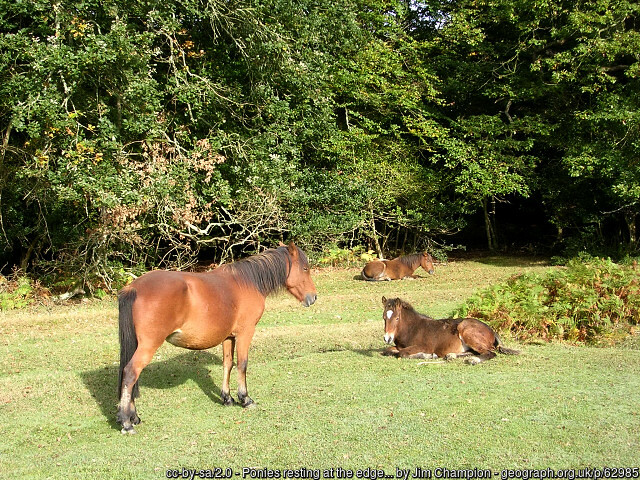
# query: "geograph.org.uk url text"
[[303, 473]]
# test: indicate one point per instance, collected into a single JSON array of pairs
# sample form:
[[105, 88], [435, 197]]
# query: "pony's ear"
[[384, 300], [425, 254], [280, 244], [293, 250]]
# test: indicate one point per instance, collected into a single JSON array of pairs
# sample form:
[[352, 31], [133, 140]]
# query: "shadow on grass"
[[367, 352], [506, 261], [418, 276], [192, 365]]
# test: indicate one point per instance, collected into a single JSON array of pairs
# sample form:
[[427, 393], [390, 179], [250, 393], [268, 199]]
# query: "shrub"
[[590, 300], [347, 257], [17, 291]]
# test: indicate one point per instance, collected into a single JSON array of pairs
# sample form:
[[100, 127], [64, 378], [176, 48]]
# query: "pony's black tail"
[[375, 278], [502, 349], [508, 351], [128, 340], [364, 277]]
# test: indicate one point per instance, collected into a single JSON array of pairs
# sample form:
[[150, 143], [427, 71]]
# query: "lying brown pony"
[[418, 336], [398, 268]]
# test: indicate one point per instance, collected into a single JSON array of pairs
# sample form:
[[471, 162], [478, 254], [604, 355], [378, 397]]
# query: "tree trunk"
[[404, 241], [489, 223], [26, 258], [374, 234], [630, 218]]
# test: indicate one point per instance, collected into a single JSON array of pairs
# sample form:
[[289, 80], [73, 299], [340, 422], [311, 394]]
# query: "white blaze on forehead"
[[389, 314]]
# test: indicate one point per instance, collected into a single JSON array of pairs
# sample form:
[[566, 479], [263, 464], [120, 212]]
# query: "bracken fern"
[[591, 300]]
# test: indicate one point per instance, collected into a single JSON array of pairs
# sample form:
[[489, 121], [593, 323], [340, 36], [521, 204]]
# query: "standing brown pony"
[[418, 336], [398, 268], [201, 310]]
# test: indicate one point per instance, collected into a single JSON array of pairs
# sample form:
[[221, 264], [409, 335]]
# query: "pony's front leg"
[[228, 345], [242, 352], [390, 351], [416, 351], [452, 355]]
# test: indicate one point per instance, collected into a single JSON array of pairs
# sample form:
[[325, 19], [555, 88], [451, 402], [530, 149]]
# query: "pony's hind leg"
[[127, 414], [476, 359], [479, 338], [228, 346]]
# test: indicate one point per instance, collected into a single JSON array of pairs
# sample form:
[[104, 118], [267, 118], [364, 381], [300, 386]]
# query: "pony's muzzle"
[[309, 299], [431, 272], [388, 338]]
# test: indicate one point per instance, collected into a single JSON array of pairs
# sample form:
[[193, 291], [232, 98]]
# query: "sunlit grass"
[[325, 397]]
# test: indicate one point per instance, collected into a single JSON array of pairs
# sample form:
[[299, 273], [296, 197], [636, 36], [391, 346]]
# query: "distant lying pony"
[[419, 336], [398, 268]]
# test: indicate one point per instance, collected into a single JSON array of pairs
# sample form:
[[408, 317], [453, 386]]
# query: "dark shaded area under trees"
[[158, 134]]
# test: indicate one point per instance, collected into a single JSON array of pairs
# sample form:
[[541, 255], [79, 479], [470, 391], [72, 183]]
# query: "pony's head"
[[299, 282], [391, 314], [426, 262]]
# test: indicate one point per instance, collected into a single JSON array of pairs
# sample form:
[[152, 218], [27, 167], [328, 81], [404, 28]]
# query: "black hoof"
[[247, 402], [228, 401], [124, 418]]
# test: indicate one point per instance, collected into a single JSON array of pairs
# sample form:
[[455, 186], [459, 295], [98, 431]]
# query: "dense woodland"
[[138, 134]]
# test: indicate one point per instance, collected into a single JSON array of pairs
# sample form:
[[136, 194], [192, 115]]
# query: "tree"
[[541, 98], [145, 134]]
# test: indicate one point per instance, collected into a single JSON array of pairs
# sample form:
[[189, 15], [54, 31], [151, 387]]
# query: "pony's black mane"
[[410, 260], [393, 304], [268, 271]]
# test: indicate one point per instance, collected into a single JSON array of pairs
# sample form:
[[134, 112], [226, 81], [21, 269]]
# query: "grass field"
[[325, 396]]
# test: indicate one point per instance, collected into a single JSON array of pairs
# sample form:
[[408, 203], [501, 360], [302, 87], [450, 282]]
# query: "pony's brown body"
[[201, 310], [418, 336], [398, 268]]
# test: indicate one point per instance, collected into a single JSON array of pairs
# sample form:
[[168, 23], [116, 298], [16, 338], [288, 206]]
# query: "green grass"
[[326, 398]]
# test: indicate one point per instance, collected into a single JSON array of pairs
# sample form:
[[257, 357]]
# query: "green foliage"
[[155, 134], [16, 292], [541, 97], [347, 257], [592, 300]]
